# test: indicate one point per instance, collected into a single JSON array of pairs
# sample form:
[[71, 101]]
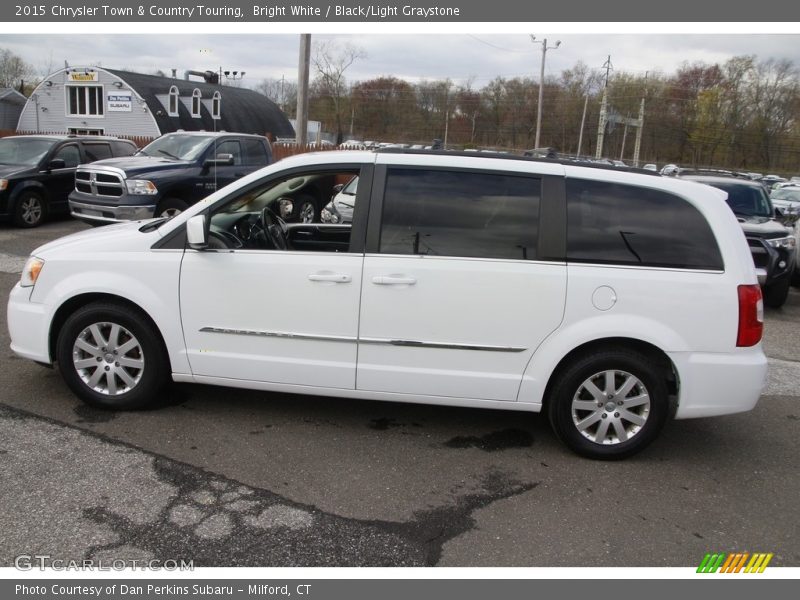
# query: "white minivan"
[[611, 300]]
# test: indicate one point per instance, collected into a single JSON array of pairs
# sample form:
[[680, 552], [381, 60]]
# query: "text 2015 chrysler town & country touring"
[[609, 300]]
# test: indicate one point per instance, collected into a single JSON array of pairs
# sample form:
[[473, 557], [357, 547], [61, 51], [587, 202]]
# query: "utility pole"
[[545, 48], [638, 145], [301, 127], [283, 98], [583, 122], [624, 135], [601, 127]]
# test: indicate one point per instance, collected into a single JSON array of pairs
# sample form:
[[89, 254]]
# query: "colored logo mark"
[[735, 562]]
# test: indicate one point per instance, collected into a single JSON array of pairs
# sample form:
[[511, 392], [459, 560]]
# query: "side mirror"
[[57, 163], [196, 235], [338, 188], [221, 160], [778, 212], [285, 207]]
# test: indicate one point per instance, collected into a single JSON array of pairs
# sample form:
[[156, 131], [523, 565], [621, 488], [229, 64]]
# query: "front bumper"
[[28, 326], [772, 264], [101, 213], [714, 384]]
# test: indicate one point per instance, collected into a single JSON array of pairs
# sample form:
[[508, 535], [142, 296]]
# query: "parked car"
[[772, 244], [650, 167], [449, 288], [787, 200], [37, 172], [340, 208], [165, 177]]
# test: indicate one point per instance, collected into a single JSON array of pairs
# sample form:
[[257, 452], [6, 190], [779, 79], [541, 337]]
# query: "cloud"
[[413, 57]]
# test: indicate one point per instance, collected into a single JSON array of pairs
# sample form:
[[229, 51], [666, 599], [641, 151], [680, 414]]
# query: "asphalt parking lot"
[[230, 477]]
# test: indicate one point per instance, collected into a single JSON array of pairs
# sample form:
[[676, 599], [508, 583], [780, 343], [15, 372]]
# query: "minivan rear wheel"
[[111, 357], [609, 405]]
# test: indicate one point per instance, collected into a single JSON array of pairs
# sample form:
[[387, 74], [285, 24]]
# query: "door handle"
[[331, 277], [393, 280]]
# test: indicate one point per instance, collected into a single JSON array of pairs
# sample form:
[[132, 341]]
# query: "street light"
[[545, 48], [232, 75]]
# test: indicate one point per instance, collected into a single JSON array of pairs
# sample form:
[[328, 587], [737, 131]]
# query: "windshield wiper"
[[169, 154]]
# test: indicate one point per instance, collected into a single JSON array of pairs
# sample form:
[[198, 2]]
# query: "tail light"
[[751, 316]]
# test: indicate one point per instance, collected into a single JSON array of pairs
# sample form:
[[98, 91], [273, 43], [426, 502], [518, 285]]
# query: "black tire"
[[30, 210], [169, 207], [775, 294], [306, 209], [149, 350], [569, 387]]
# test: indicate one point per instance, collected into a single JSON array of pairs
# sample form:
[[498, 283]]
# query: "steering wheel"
[[274, 229]]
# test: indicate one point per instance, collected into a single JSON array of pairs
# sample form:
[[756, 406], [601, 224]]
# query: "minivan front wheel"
[[609, 405], [111, 357]]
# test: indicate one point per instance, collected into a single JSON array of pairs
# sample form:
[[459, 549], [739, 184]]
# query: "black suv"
[[37, 172], [771, 243], [166, 176]]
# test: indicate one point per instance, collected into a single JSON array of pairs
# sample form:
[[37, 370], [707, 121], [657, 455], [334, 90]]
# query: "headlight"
[[141, 187], [334, 218], [784, 242], [30, 273], [325, 216], [3, 184]]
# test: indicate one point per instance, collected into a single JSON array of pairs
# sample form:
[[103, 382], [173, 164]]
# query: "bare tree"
[[330, 61], [282, 92], [14, 69]]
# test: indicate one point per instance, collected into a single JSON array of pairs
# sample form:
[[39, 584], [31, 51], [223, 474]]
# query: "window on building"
[[216, 105], [85, 131], [172, 109], [196, 96], [457, 213], [85, 100]]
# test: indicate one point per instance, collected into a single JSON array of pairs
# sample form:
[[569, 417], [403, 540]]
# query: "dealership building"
[[100, 101]]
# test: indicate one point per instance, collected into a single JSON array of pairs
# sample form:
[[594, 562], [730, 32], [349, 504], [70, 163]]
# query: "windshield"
[[177, 147], [790, 194], [23, 151], [746, 200]]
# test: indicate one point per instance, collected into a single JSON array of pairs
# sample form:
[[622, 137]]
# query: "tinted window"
[[254, 152], [231, 147], [97, 151], [122, 148], [621, 224], [70, 155], [746, 200], [457, 213]]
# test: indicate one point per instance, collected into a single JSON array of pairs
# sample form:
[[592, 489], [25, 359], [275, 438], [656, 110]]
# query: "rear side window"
[[460, 213], [611, 223], [254, 153], [97, 151], [123, 148]]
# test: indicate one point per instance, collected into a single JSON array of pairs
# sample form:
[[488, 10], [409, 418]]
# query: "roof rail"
[[502, 156]]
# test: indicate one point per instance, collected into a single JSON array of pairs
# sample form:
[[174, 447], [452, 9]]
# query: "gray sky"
[[430, 56]]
